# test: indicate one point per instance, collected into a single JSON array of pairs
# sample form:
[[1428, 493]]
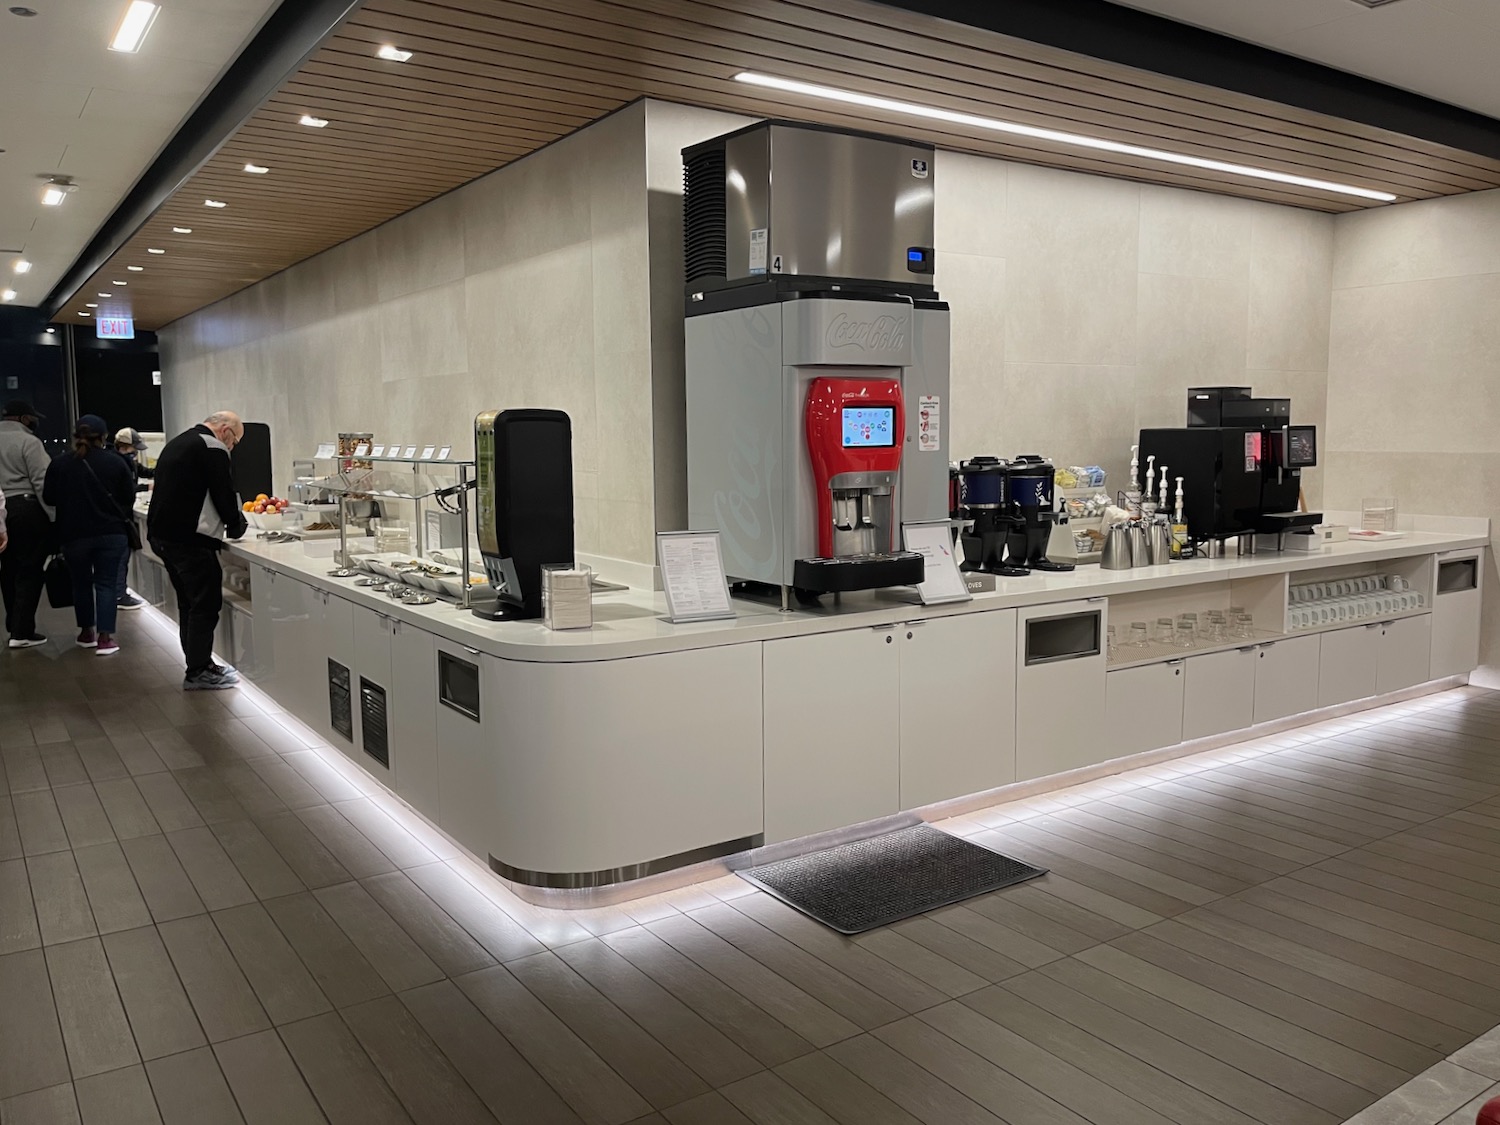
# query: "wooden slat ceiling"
[[493, 80]]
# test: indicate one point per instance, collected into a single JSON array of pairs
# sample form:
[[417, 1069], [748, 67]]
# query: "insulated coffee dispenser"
[[1030, 484], [984, 498]]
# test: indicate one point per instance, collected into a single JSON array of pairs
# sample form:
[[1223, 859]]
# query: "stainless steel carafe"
[[1116, 554], [1140, 551], [1159, 542]]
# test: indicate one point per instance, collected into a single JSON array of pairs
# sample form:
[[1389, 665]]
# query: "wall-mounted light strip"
[[991, 124], [132, 33]]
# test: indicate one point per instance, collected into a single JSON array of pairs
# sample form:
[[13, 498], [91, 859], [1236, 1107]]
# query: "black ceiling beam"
[[1117, 34], [292, 33]]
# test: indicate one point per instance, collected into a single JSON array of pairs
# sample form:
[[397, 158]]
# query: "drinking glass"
[[1244, 624], [1164, 630], [1216, 631], [1186, 634], [1139, 634], [1109, 638], [1192, 621]]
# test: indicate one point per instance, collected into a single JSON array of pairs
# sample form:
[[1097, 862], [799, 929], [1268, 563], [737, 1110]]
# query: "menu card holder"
[[692, 576]]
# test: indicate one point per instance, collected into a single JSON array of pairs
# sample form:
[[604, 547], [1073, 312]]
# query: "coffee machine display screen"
[[1301, 447], [869, 426]]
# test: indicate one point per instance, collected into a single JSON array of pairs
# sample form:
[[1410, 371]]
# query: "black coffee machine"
[[984, 497], [1241, 461], [1029, 479]]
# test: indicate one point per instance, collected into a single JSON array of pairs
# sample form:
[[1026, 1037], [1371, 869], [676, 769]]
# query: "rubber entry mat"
[[857, 887]]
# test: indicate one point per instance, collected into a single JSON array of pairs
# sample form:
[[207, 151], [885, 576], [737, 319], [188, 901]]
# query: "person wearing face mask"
[[128, 444], [23, 473], [193, 508]]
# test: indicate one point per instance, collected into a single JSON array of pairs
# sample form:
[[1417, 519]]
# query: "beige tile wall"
[[1414, 366], [524, 288], [1084, 307]]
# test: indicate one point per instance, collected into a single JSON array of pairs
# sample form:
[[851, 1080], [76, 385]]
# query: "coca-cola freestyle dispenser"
[[817, 356]]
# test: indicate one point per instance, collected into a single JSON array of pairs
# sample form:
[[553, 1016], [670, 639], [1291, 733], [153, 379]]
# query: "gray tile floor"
[[205, 917]]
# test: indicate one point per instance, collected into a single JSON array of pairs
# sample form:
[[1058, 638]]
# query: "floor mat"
[[857, 887]]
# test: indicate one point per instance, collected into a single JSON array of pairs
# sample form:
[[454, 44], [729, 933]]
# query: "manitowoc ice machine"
[[817, 356]]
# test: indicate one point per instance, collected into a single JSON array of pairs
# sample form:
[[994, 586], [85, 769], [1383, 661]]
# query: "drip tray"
[[857, 887]]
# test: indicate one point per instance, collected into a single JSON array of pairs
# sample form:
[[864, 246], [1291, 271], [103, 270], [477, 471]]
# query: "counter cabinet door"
[[1347, 662], [370, 685], [1220, 693], [412, 713], [263, 605], [1456, 615], [1405, 654], [832, 731], [465, 781], [1143, 708], [1286, 678], [961, 665], [1059, 687]]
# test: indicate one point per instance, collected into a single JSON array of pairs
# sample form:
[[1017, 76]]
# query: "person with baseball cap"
[[129, 445], [23, 473]]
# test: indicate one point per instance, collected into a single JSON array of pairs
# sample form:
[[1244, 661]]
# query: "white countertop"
[[633, 623]]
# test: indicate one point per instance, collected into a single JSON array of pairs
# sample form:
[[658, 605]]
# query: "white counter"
[[633, 622], [577, 759]]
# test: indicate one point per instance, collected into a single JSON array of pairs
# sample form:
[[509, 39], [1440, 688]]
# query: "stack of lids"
[[567, 597]]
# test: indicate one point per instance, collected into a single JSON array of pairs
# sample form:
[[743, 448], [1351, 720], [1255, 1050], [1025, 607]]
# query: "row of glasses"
[[1333, 601], [1187, 630]]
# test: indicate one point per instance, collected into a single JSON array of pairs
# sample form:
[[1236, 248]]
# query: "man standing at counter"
[[193, 507], [23, 469]]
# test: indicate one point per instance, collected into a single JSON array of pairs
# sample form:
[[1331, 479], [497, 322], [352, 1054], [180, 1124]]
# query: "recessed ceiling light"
[[8, 295], [22, 266], [154, 250], [313, 122], [57, 189], [138, 20], [106, 294], [182, 230], [256, 169], [136, 269], [52, 331], [214, 203], [91, 304], [119, 283], [974, 121], [394, 54]]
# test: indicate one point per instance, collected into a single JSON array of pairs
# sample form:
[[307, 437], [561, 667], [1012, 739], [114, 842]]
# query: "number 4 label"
[[776, 264]]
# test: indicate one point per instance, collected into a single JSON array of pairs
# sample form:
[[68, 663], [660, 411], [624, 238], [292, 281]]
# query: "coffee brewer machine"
[[523, 461], [817, 356], [1241, 460]]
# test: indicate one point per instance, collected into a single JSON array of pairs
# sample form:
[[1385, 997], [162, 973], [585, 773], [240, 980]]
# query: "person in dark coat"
[[92, 491]]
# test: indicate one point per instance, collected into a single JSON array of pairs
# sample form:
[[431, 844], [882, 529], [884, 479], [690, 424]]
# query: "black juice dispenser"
[[524, 471], [1030, 485], [984, 498]]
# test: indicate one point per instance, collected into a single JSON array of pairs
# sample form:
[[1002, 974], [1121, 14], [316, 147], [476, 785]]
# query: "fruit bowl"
[[265, 521]]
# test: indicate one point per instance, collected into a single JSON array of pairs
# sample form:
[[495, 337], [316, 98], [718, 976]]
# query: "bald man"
[[194, 507]]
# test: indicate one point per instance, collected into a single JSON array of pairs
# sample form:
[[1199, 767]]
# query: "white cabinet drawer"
[[1286, 678], [1143, 708], [1220, 693]]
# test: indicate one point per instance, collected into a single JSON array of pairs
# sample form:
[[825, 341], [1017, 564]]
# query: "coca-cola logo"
[[884, 333]]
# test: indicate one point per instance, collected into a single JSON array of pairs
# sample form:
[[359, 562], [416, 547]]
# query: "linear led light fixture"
[[182, 230], [256, 169], [974, 121], [154, 250], [136, 269], [132, 33], [313, 122], [394, 54], [214, 203], [91, 304]]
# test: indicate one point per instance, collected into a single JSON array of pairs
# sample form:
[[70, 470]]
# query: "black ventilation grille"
[[372, 722], [340, 706], [703, 216]]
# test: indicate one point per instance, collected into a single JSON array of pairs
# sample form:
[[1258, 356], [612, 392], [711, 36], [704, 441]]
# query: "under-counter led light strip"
[[891, 105]]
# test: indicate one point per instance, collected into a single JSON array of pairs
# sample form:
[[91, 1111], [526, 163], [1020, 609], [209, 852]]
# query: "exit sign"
[[115, 328]]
